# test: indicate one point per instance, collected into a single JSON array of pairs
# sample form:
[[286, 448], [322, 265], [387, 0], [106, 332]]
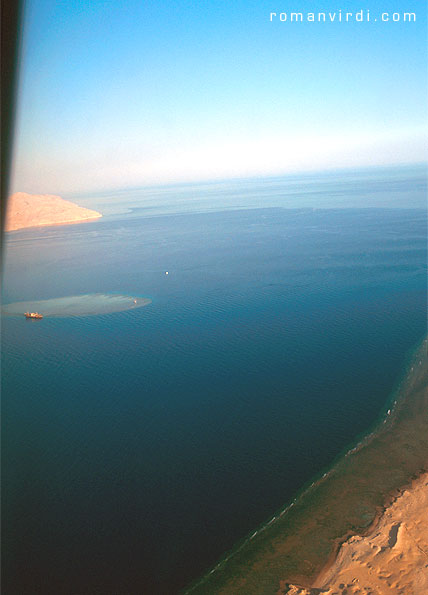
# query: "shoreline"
[[229, 574], [27, 211], [54, 223], [332, 572], [346, 568]]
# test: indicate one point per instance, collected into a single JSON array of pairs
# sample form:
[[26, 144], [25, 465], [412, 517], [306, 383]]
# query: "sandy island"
[[88, 304], [391, 558], [34, 210]]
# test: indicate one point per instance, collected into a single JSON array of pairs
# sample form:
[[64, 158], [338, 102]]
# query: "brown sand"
[[391, 559], [34, 210]]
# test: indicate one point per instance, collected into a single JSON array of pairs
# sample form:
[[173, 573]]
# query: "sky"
[[118, 93]]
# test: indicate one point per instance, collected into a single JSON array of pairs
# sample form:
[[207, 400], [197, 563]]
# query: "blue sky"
[[124, 93]]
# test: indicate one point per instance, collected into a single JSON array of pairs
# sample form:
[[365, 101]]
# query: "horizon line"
[[265, 176]]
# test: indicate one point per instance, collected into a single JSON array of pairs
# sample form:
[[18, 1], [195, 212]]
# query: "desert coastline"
[[352, 522], [213, 311], [392, 556], [37, 210]]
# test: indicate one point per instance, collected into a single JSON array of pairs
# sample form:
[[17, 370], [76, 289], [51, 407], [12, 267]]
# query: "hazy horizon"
[[286, 176], [114, 95]]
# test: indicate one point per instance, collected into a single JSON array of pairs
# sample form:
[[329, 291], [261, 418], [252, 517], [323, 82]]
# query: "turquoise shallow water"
[[142, 444]]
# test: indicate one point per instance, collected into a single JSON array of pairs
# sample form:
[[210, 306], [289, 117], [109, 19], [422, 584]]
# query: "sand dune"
[[34, 210], [391, 560]]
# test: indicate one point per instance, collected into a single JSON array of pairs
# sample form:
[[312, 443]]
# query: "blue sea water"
[[139, 446]]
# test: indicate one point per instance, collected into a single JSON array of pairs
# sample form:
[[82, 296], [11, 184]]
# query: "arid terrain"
[[34, 210], [391, 559]]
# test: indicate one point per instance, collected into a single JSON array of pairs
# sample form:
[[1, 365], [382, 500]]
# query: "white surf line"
[[248, 539], [358, 446], [232, 554], [389, 413]]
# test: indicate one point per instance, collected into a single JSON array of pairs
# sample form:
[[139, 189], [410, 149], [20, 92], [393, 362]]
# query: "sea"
[[140, 446]]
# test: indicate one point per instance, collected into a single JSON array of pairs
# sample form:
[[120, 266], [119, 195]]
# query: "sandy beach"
[[391, 558], [35, 210]]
